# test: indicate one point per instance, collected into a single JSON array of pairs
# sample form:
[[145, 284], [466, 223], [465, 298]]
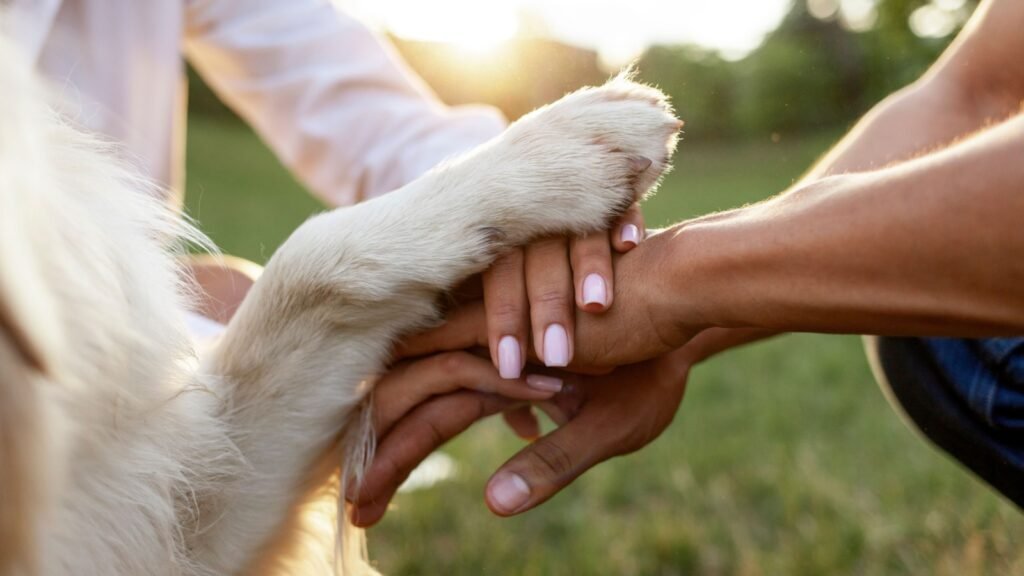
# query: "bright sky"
[[618, 29]]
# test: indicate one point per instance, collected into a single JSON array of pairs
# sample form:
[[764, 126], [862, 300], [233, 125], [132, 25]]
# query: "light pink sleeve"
[[327, 95]]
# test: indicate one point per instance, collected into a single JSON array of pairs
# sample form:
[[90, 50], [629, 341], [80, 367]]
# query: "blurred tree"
[[805, 75], [701, 84], [894, 54], [826, 63]]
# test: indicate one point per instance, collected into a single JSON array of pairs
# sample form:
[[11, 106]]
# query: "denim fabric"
[[965, 396], [987, 375]]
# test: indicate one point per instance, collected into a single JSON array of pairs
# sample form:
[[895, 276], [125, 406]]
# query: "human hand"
[[426, 401], [528, 294], [643, 324], [600, 417], [604, 416]]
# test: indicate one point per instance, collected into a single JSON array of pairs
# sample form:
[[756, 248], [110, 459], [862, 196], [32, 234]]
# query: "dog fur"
[[123, 451]]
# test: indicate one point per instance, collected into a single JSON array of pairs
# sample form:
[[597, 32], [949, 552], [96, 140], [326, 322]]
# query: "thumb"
[[546, 466]]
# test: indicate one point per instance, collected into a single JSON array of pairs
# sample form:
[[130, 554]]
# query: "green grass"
[[785, 458]]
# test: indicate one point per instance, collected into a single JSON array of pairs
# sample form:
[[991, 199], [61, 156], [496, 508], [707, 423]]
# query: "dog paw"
[[576, 164]]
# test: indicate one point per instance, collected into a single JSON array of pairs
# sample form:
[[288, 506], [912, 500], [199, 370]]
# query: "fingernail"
[[544, 383], [510, 359], [509, 492], [556, 346], [631, 234], [594, 290]]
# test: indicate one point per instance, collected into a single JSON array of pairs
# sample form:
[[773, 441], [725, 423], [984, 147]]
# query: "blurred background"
[[785, 458]]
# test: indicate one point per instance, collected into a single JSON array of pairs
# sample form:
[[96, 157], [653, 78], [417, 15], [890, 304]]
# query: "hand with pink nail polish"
[[532, 294], [648, 319]]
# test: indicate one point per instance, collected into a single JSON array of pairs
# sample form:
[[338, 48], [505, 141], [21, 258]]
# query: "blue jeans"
[[966, 396]]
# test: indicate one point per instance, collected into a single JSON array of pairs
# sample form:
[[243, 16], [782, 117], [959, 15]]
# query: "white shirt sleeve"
[[329, 97]]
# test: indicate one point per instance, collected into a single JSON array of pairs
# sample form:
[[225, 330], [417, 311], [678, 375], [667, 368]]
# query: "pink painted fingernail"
[[630, 234], [544, 383], [510, 358], [509, 492], [556, 346], [595, 291]]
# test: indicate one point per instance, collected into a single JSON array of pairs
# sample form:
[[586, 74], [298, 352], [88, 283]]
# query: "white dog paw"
[[574, 165]]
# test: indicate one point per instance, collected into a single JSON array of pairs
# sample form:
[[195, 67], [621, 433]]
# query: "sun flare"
[[472, 25], [618, 30]]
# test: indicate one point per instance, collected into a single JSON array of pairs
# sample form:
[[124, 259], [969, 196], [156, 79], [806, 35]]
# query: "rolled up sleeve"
[[332, 100]]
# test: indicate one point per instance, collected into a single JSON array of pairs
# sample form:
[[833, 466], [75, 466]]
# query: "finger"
[[468, 291], [591, 258], [543, 468], [412, 439], [523, 422], [629, 231], [408, 385], [507, 313], [567, 404], [465, 327], [549, 288]]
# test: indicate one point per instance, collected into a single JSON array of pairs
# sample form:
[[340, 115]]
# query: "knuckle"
[[481, 409], [550, 459], [432, 433], [390, 472], [504, 312], [552, 299], [593, 242], [547, 247], [597, 250], [592, 257], [505, 270]]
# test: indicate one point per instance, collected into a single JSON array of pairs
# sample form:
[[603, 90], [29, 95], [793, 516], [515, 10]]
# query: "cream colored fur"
[[122, 452]]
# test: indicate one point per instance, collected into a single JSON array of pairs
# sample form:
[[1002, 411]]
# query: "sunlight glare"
[[618, 30], [470, 24]]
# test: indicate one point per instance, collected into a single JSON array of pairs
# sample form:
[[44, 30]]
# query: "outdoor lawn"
[[784, 459]]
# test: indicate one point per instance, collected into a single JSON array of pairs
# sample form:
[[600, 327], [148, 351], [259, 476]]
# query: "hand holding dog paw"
[[533, 293], [631, 331]]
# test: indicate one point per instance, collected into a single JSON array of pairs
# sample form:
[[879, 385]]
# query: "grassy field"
[[785, 458]]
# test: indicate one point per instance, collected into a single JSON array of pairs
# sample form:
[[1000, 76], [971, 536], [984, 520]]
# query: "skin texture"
[[529, 289], [942, 156]]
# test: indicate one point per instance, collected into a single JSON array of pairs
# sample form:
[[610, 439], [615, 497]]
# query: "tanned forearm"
[[922, 117], [928, 247], [977, 82]]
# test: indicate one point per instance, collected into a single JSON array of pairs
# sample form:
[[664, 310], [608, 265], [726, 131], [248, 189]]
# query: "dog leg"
[[295, 361]]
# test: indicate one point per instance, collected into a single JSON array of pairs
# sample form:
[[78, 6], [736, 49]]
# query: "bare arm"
[[979, 80], [928, 247], [932, 245]]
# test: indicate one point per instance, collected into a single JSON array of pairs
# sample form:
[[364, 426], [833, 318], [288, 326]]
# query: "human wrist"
[[697, 260], [727, 270]]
